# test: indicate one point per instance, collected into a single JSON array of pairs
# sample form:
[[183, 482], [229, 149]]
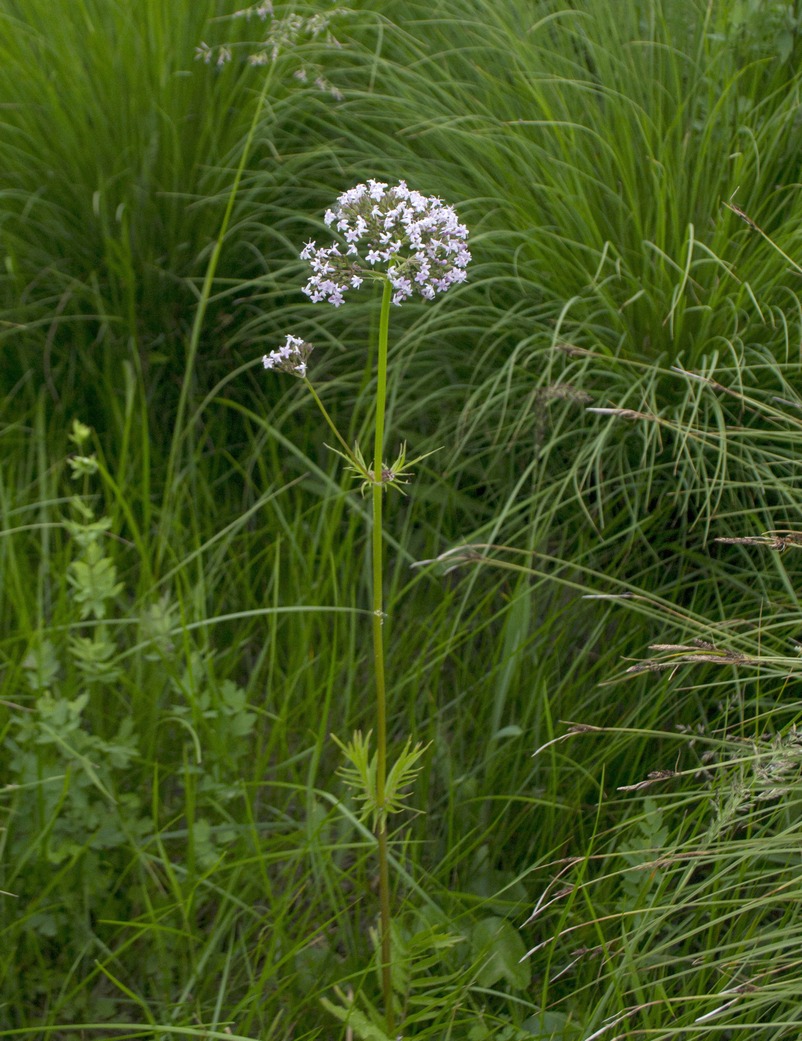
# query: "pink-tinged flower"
[[418, 237], [291, 357]]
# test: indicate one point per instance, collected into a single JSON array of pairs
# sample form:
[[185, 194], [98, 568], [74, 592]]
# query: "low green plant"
[[71, 807]]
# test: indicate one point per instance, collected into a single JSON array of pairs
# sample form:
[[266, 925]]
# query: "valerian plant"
[[410, 244]]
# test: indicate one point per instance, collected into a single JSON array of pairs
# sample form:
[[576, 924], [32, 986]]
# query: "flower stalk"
[[377, 545]]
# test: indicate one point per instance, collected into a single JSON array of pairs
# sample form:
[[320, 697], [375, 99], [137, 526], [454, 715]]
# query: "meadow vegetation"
[[591, 585]]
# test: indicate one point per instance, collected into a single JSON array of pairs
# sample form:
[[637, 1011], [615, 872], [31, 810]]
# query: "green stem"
[[348, 453], [378, 656]]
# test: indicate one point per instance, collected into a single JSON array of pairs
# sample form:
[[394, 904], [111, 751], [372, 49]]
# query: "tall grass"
[[181, 856]]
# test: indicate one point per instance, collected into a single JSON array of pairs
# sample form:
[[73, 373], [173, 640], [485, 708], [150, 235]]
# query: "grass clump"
[[185, 575]]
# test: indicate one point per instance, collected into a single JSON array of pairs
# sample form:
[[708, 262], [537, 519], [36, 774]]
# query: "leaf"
[[497, 888], [497, 943], [513, 730], [93, 581], [361, 771], [80, 433], [95, 657], [41, 666], [550, 1026], [357, 1022], [785, 46], [313, 963]]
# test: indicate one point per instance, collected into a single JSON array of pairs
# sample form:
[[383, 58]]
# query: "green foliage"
[[72, 810], [181, 618], [642, 854], [360, 776], [763, 30], [363, 1027], [64, 780], [505, 960]]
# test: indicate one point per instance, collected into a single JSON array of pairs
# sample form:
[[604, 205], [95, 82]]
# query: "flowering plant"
[[409, 243]]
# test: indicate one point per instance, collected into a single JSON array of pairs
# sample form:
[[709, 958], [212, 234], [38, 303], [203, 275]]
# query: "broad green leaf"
[[498, 944]]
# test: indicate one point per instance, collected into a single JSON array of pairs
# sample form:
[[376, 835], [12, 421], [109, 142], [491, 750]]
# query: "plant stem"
[[378, 655], [348, 453]]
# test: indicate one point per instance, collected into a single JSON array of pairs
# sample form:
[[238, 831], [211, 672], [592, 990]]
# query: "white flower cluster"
[[261, 10], [284, 35], [292, 357], [205, 53], [417, 237]]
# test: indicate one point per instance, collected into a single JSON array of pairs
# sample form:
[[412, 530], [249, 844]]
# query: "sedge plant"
[[409, 244]]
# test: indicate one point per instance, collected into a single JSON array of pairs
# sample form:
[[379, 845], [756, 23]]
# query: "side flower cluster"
[[416, 240], [292, 357]]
